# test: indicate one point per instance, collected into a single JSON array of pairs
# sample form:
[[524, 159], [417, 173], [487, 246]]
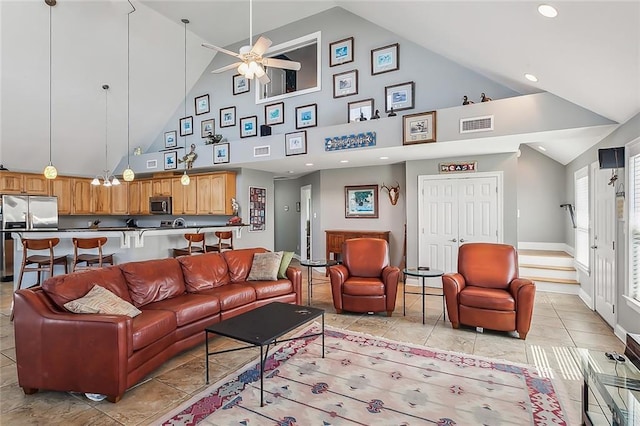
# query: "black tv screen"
[[611, 158]]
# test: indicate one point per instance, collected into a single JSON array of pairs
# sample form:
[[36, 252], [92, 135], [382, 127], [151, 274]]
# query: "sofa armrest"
[[524, 293], [390, 278], [338, 274], [452, 285], [295, 276]]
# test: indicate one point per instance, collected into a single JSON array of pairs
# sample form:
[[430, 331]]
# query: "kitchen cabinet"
[[81, 196], [214, 193], [23, 183], [120, 199], [101, 199], [162, 187], [61, 187], [139, 193], [184, 197]]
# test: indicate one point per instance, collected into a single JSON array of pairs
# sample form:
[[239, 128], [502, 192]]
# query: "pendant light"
[[128, 175], [185, 179], [50, 172], [107, 178]]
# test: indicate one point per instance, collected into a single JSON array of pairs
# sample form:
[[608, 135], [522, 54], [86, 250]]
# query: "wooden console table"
[[335, 238]]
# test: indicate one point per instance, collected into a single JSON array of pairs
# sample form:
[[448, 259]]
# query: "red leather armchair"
[[364, 282], [486, 292]]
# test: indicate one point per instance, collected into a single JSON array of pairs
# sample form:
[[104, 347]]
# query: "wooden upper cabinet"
[[61, 187], [81, 196], [101, 195], [36, 184], [184, 197], [120, 199], [23, 183], [162, 187], [214, 193]]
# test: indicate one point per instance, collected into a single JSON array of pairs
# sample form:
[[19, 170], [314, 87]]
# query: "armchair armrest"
[[390, 278], [524, 292], [338, 274], [452, 285], [295, 276]]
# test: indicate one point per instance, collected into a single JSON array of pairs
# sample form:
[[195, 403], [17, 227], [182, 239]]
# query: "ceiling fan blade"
[[264, 79], [220, 49], [261, 46], [281, 63], [227, 68]]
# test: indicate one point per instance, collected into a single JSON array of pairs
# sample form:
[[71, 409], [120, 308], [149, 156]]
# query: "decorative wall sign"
[[361, 140], [257, 209], [467, 166], [361, 201]]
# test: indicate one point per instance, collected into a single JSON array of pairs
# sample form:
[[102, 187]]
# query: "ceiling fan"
[[252, 62]]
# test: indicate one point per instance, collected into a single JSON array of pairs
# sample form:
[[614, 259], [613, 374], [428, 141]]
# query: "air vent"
[[476, 124], [262, 151]]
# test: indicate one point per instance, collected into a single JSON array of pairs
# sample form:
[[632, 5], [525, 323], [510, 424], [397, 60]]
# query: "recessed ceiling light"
[[291, 172], [531, 77], [542, 148], [344, 161], [547, 11], [384, 158], [309, 164]]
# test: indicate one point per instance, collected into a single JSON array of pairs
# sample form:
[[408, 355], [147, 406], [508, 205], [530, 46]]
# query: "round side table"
[[310, 264], [422, 273]]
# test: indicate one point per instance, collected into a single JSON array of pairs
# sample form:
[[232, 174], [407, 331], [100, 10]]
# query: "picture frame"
[[358, 110], [207, 127], [202, 104], [170, 139], [249, 126], [241, 84], [228, 116], [341, 52], [295, 143], [419, 128], [186, 126], [274, 114], [257, 209], [221, 153], [345, 84], [306, 116], [361, 201], [399, 96], [171, 160], [385, 59]]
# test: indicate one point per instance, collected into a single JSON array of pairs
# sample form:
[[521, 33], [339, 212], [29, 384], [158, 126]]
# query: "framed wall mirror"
[[287, 83]]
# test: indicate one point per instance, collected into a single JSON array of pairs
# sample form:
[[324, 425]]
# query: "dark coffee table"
[[262, 327]]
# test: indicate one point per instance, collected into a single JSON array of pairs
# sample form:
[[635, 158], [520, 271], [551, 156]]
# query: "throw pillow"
[[99, 300], [265, 266], [286, 260]]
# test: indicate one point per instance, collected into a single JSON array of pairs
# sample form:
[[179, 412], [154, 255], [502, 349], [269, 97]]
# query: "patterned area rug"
[[365, 380]]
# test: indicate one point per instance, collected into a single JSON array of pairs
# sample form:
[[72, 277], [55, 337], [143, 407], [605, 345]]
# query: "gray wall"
[[287, 219], [245, 179]]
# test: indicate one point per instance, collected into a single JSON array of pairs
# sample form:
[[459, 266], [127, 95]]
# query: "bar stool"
[[191, 248], [43, 263], [221, 245], [91, 259]]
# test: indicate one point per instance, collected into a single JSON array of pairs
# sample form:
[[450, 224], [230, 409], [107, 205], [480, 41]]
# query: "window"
[[634, 221], [581, 181]]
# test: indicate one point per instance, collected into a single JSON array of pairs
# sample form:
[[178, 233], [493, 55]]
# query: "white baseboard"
[[544, 246], [586, 298], [620, 333]]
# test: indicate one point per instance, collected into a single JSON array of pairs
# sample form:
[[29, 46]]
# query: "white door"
[[604, 240], [305, 223]]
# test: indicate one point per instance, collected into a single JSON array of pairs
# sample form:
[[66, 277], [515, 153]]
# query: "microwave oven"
[[160, 205]]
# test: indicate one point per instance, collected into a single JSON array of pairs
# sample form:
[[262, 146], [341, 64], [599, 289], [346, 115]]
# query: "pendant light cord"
[[50, 101], [106, 130], [128, 79], [185, 21], [250, 23]]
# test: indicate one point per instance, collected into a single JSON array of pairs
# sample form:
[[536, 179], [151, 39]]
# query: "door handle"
[[594, 247], [453, 240], [462, 240]]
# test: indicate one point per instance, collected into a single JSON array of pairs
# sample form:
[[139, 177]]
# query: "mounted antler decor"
[[394, 192]]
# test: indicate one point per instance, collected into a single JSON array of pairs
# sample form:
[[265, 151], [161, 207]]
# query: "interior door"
[[604, 237], [305, 223]]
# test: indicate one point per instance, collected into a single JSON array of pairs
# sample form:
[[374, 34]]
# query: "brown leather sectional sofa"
[[107, 354]]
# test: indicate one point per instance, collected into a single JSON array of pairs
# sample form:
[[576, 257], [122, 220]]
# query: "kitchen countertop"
[[139, 229]]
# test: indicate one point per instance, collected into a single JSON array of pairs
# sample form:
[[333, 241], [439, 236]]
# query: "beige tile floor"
[[561, 323]]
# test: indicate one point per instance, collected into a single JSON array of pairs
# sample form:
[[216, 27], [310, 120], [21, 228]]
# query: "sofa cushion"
[[267, 289], [487, 298], [99, 300], [265, 266], [239, 262], [188, 308], [151, 326], [361, 286], [233, 295], [284, 264], [153, 280], [65, 288], [204, 271]]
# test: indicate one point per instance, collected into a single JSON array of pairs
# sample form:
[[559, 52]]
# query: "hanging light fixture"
[[50, 171], [185, 179], [128, 175], [107, 178]]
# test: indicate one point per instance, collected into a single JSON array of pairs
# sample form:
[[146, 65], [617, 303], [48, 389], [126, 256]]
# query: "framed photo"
[[170, 139], [257, 209], [306, 116], [360, 110], [361, 201], [385, 59], [249, 126], [207, 127], [228, 116], [274, 114], [345, 84], [399, 96], [241, 84], [202, 104], [419, 128], [170, 160], [220, 153], [341, 52], [186, 126], [295, 143]]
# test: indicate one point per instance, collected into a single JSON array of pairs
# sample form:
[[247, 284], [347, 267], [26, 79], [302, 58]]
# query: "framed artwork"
[[345, 84], [249, 126], [306, 116], [341, 52], [419, 128], [361, 201], [295, 143], [228, 116], [186, 126], [202, 104], [170, 139], [241, 84], [257, 209], [360, 110], [399, 96], [274, 114], [220, 153], [207, 127], [170, 160], [385, 59]]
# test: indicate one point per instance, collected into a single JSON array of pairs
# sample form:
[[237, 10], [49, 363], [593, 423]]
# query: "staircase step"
[[553, 280], [555, 273], [551, 267], [545, 253]]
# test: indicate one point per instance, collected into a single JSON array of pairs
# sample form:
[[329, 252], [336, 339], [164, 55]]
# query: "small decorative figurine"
[[189, 158], [391, 113], [484, 98], [376, 115], [362, 117], [466, 101], [212, 139]]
